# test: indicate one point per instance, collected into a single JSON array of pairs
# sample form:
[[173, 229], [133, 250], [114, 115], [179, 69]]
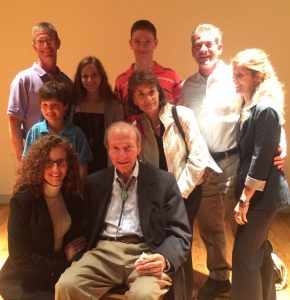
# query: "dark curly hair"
[[30, 175], [141, 77], [54, 90], [105, 90]]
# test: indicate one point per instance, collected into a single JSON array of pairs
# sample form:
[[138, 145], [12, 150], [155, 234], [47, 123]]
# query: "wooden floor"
[[279, 236]]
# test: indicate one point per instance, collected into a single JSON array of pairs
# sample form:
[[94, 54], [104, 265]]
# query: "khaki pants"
[[217, 206], [109, 264]]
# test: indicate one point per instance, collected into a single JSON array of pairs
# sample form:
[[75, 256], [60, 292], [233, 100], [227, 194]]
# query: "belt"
[[127, 239], [225, 154]]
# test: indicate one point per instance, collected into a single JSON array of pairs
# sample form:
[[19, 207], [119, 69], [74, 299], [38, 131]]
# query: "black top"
[[162, 158], [93, 126], [33, 265]]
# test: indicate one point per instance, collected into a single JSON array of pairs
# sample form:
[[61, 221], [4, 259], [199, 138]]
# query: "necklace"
[[156, 129], [124, 197]]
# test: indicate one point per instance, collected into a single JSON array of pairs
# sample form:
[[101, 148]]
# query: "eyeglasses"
[[59, 162], [48, 42], [143, 96]]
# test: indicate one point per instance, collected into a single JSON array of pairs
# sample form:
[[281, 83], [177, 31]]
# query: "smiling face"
[[45, 44], [123, 149], [143, 44], [56, 166], [206, 52], [90, 78], [245, 80], [146, 97], [53, 110]]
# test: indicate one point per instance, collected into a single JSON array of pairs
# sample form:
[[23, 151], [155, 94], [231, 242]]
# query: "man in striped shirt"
[[143, 42]]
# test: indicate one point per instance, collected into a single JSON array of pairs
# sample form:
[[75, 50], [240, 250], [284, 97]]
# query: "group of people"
[[154, 167]]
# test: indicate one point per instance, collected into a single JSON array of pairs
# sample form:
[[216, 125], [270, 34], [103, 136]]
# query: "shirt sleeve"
[[18, 98], [28, 142], [32, 136], [82, 147], [197, 157], [176, 89], [267, 133]]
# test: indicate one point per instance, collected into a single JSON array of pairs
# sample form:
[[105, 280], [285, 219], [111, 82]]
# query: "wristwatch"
[[244, 202]]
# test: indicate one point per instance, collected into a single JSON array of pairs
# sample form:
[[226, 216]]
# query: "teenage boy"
[[143, 42], [23, 106], [54, 102]]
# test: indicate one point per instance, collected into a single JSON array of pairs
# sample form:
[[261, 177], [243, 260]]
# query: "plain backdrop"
[[101, 28]]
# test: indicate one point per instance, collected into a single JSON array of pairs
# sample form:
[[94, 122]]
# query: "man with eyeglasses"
[[23, 105]]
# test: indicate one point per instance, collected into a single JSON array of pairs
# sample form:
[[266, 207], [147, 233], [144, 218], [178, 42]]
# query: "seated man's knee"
[[151, 291], [66, 284]]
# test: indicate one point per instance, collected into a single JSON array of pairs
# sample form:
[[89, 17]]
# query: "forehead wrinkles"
[[204, 38], [122, 137], [42, 34]]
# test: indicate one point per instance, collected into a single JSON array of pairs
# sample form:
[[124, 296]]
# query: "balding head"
[[123, 142], [120, 127]]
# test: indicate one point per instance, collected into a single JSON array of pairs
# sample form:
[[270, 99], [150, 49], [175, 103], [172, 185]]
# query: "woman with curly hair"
[[261, 187], [95, 107], [44, 230]]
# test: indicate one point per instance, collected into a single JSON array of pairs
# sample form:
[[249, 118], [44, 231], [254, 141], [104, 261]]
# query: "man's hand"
[[279, 161], [74, 247], [153, 265]]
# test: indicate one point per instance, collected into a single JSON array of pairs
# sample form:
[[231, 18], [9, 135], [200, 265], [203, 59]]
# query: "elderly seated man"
[[139, 234]]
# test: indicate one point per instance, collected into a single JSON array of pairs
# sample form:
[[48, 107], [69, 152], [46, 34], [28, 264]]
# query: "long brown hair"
[[105, 90]]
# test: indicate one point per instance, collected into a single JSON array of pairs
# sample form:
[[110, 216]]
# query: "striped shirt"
[[168, 79]]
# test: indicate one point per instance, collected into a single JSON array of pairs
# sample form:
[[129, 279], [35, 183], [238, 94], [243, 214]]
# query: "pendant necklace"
[[124, 197]]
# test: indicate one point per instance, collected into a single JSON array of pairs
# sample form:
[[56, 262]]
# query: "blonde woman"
[[261, 188]]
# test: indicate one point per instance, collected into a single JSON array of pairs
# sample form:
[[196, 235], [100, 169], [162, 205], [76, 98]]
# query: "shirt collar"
[[134, 173], [219, 68], [41, 72]]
